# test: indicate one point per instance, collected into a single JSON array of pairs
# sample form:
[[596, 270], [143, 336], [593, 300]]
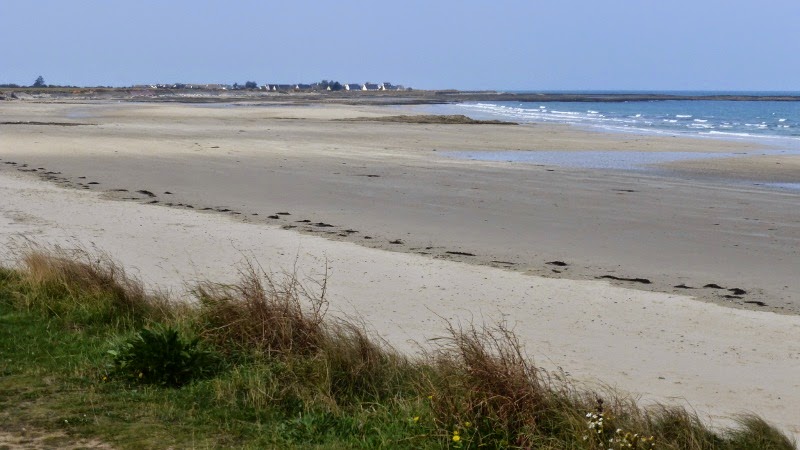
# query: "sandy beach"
[[602, 273], [393, 182]]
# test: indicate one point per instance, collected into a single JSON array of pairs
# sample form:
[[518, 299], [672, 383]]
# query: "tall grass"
[[260, 314], [288, 364], [283, 321], [87, 288], [481, 376]]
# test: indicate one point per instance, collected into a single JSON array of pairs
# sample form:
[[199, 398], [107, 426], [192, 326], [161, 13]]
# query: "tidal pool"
[[588, 159]]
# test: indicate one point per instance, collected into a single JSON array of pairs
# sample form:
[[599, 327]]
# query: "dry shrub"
[[282, 319], [91, 288], [362, 366], [481, 376], [263, 314]]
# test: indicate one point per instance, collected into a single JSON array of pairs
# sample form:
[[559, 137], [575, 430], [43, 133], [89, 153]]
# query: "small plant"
[[160, 356], [600, 432]]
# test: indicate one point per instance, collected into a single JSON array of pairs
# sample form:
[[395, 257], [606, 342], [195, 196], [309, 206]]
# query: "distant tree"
[[236, 86], [39, 82], [334, 85], [250, 85]]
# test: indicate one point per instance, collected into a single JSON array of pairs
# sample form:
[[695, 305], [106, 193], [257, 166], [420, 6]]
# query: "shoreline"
[[435, 206], [768, 142], [538, 245]]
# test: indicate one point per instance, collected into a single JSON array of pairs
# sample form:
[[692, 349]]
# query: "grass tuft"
[[755, 433], [262, 314], [482, 377], [283, 320], [86, 289]]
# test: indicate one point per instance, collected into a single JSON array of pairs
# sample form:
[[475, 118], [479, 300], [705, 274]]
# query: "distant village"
[[323, 85]]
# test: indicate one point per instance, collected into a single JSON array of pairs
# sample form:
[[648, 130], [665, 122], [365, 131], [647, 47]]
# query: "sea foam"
[[697, 117]]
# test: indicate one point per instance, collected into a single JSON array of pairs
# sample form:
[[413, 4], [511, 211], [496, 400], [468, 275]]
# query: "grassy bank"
[[87, 352]]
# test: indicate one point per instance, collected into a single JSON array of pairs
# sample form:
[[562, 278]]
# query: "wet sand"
[[388, 186]]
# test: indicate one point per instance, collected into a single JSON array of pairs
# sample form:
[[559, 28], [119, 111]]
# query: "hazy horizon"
[[468, 45]]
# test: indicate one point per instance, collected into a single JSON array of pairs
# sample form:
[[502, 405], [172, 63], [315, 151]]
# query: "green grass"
[[52, 378], [285, 376]]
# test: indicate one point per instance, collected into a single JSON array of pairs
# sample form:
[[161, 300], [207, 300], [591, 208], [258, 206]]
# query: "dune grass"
[[86, 350]]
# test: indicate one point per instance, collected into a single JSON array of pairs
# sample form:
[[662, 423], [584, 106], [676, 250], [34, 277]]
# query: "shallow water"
[[589, 159], [608, 160], [784, 186]]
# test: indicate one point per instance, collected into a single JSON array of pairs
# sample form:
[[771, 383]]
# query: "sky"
[[432, 44]]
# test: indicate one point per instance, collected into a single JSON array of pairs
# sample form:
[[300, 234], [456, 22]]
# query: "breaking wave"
[[721, 119]]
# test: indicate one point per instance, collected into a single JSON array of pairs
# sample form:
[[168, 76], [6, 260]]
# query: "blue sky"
[[534, 44]]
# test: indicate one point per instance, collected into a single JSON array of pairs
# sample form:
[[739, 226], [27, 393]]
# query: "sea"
[[773, 123], [711, 118]]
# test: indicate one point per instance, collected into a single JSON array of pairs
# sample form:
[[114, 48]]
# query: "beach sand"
[[393, 183], [390, 183]]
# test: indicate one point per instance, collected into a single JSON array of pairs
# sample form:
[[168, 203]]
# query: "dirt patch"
[[29, 438]]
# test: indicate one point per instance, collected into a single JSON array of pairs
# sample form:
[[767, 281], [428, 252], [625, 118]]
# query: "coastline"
[[448, 238], [657, 122], [390, 182]]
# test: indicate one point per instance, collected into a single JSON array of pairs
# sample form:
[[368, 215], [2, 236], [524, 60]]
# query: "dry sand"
[[384, 180]]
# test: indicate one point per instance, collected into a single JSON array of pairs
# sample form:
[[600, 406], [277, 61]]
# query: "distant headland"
[[325, 91]]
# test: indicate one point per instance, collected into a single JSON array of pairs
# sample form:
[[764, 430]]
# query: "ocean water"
[[775, 121]]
